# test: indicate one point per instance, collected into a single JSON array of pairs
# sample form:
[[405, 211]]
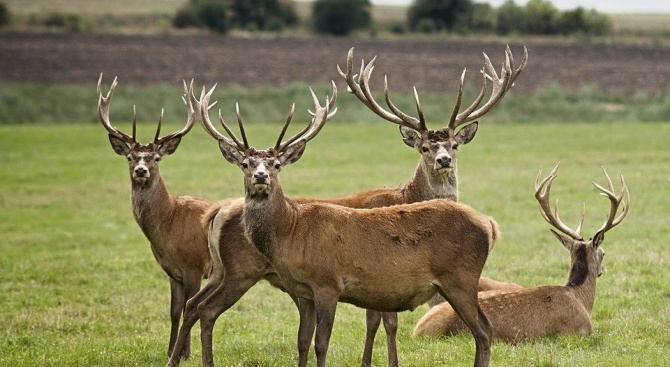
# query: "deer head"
[[143, 159], [572, 239], [438, 148], [261, 167]]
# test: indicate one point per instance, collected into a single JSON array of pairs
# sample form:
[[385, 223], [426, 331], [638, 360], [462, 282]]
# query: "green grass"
[[43, 103], [80, 287]]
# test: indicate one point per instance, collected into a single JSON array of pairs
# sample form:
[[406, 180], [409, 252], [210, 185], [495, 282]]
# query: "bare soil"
[[429, 65]]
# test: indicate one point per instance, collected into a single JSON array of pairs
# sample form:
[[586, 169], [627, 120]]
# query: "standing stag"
[[388, 259], [436, 175], [532, 313], [170, 223]]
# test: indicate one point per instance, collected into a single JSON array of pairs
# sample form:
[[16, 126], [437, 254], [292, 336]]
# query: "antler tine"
[[542, 191], [453, 120], [361, 88], [615, 201], [500, 86], [206, 122], [103, 110], [191, 115], [241, 125], [320, 115]]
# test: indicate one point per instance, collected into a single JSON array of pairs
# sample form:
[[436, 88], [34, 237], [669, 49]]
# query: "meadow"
[[80, 285]]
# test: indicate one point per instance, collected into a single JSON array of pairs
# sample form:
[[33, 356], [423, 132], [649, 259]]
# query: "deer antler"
[[615, 200], [542, 190], [209, 127], [361, 88], [103, 110], [190, 120], [359, 85], [320, 115], [500, 85]]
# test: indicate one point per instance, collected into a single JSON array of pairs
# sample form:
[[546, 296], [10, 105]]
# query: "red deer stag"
[[170, 223], [326, 253], [434, 178], [436, 175], [532, 313]]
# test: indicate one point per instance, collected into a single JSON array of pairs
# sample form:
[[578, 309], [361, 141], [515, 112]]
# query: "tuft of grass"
[[80, 285]]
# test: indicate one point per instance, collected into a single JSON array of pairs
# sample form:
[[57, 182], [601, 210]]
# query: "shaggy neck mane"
[[582, 278], [260, 219], [427, 184]]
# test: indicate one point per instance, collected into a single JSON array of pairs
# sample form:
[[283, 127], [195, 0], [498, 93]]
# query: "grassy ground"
[[80, 286]]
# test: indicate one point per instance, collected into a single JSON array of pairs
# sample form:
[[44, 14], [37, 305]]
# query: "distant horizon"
[[603, 6]]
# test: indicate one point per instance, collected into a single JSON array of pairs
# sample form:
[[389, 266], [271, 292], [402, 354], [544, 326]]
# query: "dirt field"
[[430, 66]]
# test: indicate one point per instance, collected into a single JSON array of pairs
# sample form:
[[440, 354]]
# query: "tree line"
[[342, 17]]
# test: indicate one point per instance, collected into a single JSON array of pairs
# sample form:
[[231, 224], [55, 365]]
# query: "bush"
[[444, 14], [260, 14], [426, 26], [71, 22], [5, 16], [213, 14], [185, 18], [340, 17]]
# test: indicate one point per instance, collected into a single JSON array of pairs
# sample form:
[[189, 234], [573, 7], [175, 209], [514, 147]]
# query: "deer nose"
[[140, 171], [260, 177], [443, 161]]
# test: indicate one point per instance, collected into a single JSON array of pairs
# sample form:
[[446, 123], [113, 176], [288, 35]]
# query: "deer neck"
[[582, 278], [153, 206], [427, 184], [266, 218]]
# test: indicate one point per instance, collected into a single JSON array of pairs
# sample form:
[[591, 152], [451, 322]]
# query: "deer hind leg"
[[325, 302], [372, 321], [463, 299], [190, 317], [391, 326], [221, 299], [306, 329]]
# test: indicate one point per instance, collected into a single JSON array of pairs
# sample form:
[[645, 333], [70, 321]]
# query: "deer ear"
[[466, 134], [598, 239], [230, 153], [119, 145], [293, 152], [567, 242], [409, 136], [170, 146]]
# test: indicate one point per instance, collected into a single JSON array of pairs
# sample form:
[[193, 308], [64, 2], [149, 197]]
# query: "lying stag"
[[532, 313], [436, 175], [326, 253], [170, 223]]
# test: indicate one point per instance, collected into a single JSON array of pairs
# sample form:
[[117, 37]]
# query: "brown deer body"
[[387, 259], [434, 177], [170, 223], [531, 313]]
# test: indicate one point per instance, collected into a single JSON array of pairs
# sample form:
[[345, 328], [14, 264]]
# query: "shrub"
[[260, 14], [5, 15], [340, 17], [185, 18], [213, 14], [444, 14], [426, 26]]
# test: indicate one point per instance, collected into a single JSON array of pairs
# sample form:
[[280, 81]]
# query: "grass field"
[[80, 286]]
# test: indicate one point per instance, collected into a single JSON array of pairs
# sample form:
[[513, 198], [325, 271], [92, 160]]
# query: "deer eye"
[[424, 149], [455, 147], [157, 159], [129, 158], [277, 166], [245, 165]]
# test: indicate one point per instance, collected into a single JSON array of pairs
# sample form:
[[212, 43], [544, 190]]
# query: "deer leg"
[[391, 326], [221, 299], [464, 301], [191, 287], [306, 328], [325, 303], [372, 321], [176, 306]]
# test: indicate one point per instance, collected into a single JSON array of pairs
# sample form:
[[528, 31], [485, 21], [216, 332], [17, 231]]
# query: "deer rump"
[[399, 254]]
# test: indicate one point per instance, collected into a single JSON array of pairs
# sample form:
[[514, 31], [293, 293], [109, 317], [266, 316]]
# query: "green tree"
[[540, 17], [5, 16], [263, 14], [340, 17], [213, 14], [444, 13]]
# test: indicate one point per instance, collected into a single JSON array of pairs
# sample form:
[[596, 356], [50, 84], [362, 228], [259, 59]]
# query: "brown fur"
[[518, 315]]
